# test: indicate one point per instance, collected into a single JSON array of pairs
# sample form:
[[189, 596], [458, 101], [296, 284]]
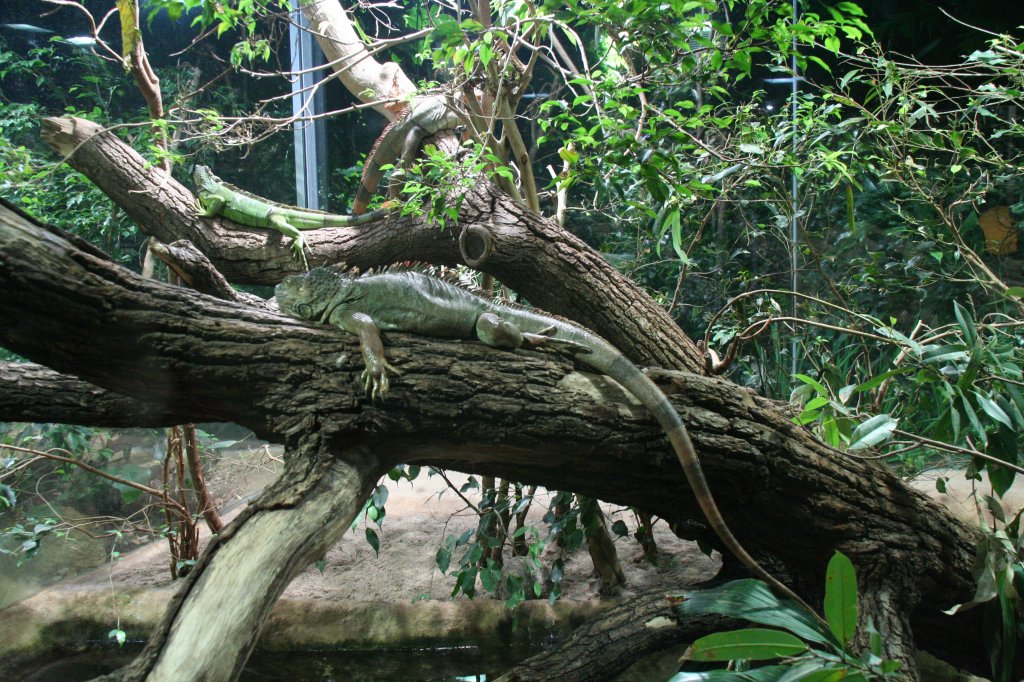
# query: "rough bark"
[[350, 59], [546, 265], [523, 416], [609, 644], [228, 595], [32, 393]]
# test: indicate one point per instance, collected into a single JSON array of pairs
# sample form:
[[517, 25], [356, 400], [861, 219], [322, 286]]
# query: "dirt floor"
[[359, 592], [419, 517], [360, 600]]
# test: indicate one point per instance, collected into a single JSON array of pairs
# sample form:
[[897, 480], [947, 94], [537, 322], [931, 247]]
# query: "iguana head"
[[315, 294], [203, 177]]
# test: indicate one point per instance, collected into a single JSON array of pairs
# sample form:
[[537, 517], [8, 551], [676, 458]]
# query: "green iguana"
[[217, 197], [420, 304], [425, 116]]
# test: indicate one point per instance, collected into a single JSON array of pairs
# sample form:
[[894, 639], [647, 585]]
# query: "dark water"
[[424, 665]]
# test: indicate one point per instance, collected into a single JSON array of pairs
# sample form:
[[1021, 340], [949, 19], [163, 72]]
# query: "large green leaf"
[[752, 600], [750, 644], [816, 385], [963, 318], [815, 673], [937, 355], [841, 598], [992, 409], [872, 432], [129, 34]]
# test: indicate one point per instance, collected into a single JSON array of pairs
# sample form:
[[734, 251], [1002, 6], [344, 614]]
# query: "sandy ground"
[[419, 517], [420, 514]]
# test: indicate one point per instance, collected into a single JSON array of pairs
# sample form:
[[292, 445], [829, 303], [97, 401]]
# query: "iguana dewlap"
[[420, 304], [217, 197]]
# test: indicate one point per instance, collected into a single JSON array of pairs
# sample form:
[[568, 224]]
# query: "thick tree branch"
[[240, 574], [523, 416], [31, 393], [364, 76], [548, 266]]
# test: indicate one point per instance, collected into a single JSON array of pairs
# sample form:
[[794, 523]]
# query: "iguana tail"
[[385, 150], [608, 360]]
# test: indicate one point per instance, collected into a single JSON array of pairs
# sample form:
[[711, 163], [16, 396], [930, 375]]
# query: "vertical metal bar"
[[310, 133], [794, 232]]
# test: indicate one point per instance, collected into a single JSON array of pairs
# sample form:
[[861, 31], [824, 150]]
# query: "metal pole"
[[310, 135], [794, 233]]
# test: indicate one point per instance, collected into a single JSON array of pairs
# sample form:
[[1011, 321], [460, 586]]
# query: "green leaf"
[[816, 673], [872, 432], [993, 410], [816, 402], [752, 644], [489, 579], [963, 318], [972, 417], [118, 635], [877, 380], [841, 598], [816, 385], [935, 355], [443, 559], [752, 600], [380, 496], [373, 540]]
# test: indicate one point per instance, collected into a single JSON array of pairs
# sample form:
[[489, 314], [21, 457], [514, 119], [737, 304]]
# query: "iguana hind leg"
[[498, 332], [495, 331]]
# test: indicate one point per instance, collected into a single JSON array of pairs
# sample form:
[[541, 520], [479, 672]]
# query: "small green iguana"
[[420, 304], [217, 197], [425, 116]]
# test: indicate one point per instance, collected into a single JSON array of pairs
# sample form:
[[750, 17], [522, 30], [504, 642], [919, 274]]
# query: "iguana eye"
[[304, 309]]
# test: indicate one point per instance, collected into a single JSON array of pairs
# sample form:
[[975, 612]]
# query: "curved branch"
[[545, 264], [364, 76]]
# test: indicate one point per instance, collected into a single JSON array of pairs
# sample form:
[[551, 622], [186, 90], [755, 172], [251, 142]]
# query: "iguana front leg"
[[210, 205], [375, 374], [281, 224]]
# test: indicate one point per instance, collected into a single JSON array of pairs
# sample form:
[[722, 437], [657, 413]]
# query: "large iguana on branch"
[[416, 303], [425, 116], [217, 197]]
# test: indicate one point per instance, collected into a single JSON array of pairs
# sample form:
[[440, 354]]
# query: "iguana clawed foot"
[[299, 251], [376, 382]]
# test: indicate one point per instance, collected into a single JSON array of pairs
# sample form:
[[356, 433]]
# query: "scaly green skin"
[[217, 197], [416, 303], [424, 117]]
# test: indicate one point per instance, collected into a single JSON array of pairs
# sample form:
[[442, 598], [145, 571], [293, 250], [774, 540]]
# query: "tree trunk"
[[523, 416], [600, 545], [216, 617]]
